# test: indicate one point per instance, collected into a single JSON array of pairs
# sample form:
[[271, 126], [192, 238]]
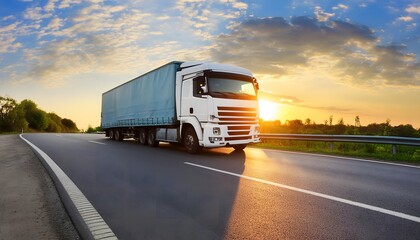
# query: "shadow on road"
[[149, 193]]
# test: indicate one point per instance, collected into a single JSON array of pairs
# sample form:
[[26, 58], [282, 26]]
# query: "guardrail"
[[394, 141]]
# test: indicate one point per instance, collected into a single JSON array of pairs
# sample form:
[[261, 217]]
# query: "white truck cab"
[[220, 102]]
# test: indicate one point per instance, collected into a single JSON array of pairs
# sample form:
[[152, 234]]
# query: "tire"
[[151, 138], [118, 135], [111, 134], [190, 141], [239, 147], [143, 136]]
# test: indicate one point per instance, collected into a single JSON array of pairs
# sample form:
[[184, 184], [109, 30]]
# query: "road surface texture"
[[29, 204], [166, 193]]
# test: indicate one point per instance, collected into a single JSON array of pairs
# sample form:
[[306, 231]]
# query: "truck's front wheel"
[[191, 141], [143, 136]]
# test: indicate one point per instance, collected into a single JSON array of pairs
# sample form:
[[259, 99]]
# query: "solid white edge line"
[[337, 199], [340, 157], [84, 207]]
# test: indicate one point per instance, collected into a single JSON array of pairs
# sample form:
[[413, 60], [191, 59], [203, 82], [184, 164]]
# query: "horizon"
[[313, 59]]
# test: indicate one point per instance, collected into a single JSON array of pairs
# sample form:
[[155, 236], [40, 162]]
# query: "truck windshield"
[[222, 85]]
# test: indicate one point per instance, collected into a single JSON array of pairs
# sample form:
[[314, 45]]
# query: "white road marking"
[[337, 199], [97, 142]]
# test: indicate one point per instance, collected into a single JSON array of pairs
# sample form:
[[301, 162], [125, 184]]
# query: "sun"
[[268, 110]]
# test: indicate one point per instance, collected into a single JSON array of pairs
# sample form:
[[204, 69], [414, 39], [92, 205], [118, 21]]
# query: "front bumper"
[[215, 135]]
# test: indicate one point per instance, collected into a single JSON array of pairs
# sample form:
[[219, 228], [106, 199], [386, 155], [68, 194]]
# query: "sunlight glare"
[[268, 110]]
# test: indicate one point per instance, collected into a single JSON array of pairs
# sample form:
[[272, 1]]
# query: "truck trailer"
[[197, 104]]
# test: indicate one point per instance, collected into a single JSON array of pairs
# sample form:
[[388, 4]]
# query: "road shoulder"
[[30, 207]]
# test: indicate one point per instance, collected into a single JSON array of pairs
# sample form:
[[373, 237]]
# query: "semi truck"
[[197, 104]]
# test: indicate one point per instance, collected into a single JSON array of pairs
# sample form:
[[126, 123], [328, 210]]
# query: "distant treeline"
[[309, 127], [26, 116]]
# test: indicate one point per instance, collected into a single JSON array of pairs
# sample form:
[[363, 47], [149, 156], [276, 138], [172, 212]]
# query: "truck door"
[[194, 100]]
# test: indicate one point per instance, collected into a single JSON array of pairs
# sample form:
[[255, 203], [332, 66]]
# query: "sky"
[[313, 59]]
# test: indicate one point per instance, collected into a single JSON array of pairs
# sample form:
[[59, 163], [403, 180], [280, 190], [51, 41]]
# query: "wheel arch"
[[195, 124]]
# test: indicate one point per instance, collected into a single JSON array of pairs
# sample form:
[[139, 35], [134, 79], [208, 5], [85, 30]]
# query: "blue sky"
[[313, 59]]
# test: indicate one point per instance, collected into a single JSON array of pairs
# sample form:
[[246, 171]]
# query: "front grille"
[[238, 127], [238, 120], [237, 115]]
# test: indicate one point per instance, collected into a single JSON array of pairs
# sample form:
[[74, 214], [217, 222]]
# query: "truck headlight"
[[216, 131]]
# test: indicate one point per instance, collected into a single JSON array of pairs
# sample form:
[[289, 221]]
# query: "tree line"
[[26, 116], [307, 126]]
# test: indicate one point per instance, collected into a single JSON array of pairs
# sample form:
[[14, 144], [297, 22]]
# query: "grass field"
[[407, 154]]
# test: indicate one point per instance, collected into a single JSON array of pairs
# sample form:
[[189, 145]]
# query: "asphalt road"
[[166, 193]]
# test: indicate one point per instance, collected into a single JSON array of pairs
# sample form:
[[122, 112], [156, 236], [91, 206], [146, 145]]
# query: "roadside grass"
[[408, 154]]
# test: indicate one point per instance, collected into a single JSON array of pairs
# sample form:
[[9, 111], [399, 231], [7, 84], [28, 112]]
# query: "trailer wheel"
[[111, 134], [118, 135], [239, 147], [142, 136], [190, 141], [151, 138]]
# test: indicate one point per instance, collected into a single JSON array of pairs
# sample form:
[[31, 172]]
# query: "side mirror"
[[257, 86], [204, 89], [200, 86]]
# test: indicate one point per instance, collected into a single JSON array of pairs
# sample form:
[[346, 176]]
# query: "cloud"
[[68, 3], [413, 9], [321, 15], [95, 36], [206, 16], [98, 38], [294, 101], [338, 50], [10, 17], [341, 6], [50, 6], [35, 13], [8, 44], [274, 97], [239, 5], [405, 19], [8, 41]]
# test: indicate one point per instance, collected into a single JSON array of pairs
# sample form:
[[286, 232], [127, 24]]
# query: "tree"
[[36, 118], [387, 127], [340, 128], [93, 130], [69, 125], [406, 130], [55, 124], [330, 120], [295, 125], [11, 116], [357, 125]]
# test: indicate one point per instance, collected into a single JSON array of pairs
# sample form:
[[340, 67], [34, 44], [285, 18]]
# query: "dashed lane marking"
[[101, 143]]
